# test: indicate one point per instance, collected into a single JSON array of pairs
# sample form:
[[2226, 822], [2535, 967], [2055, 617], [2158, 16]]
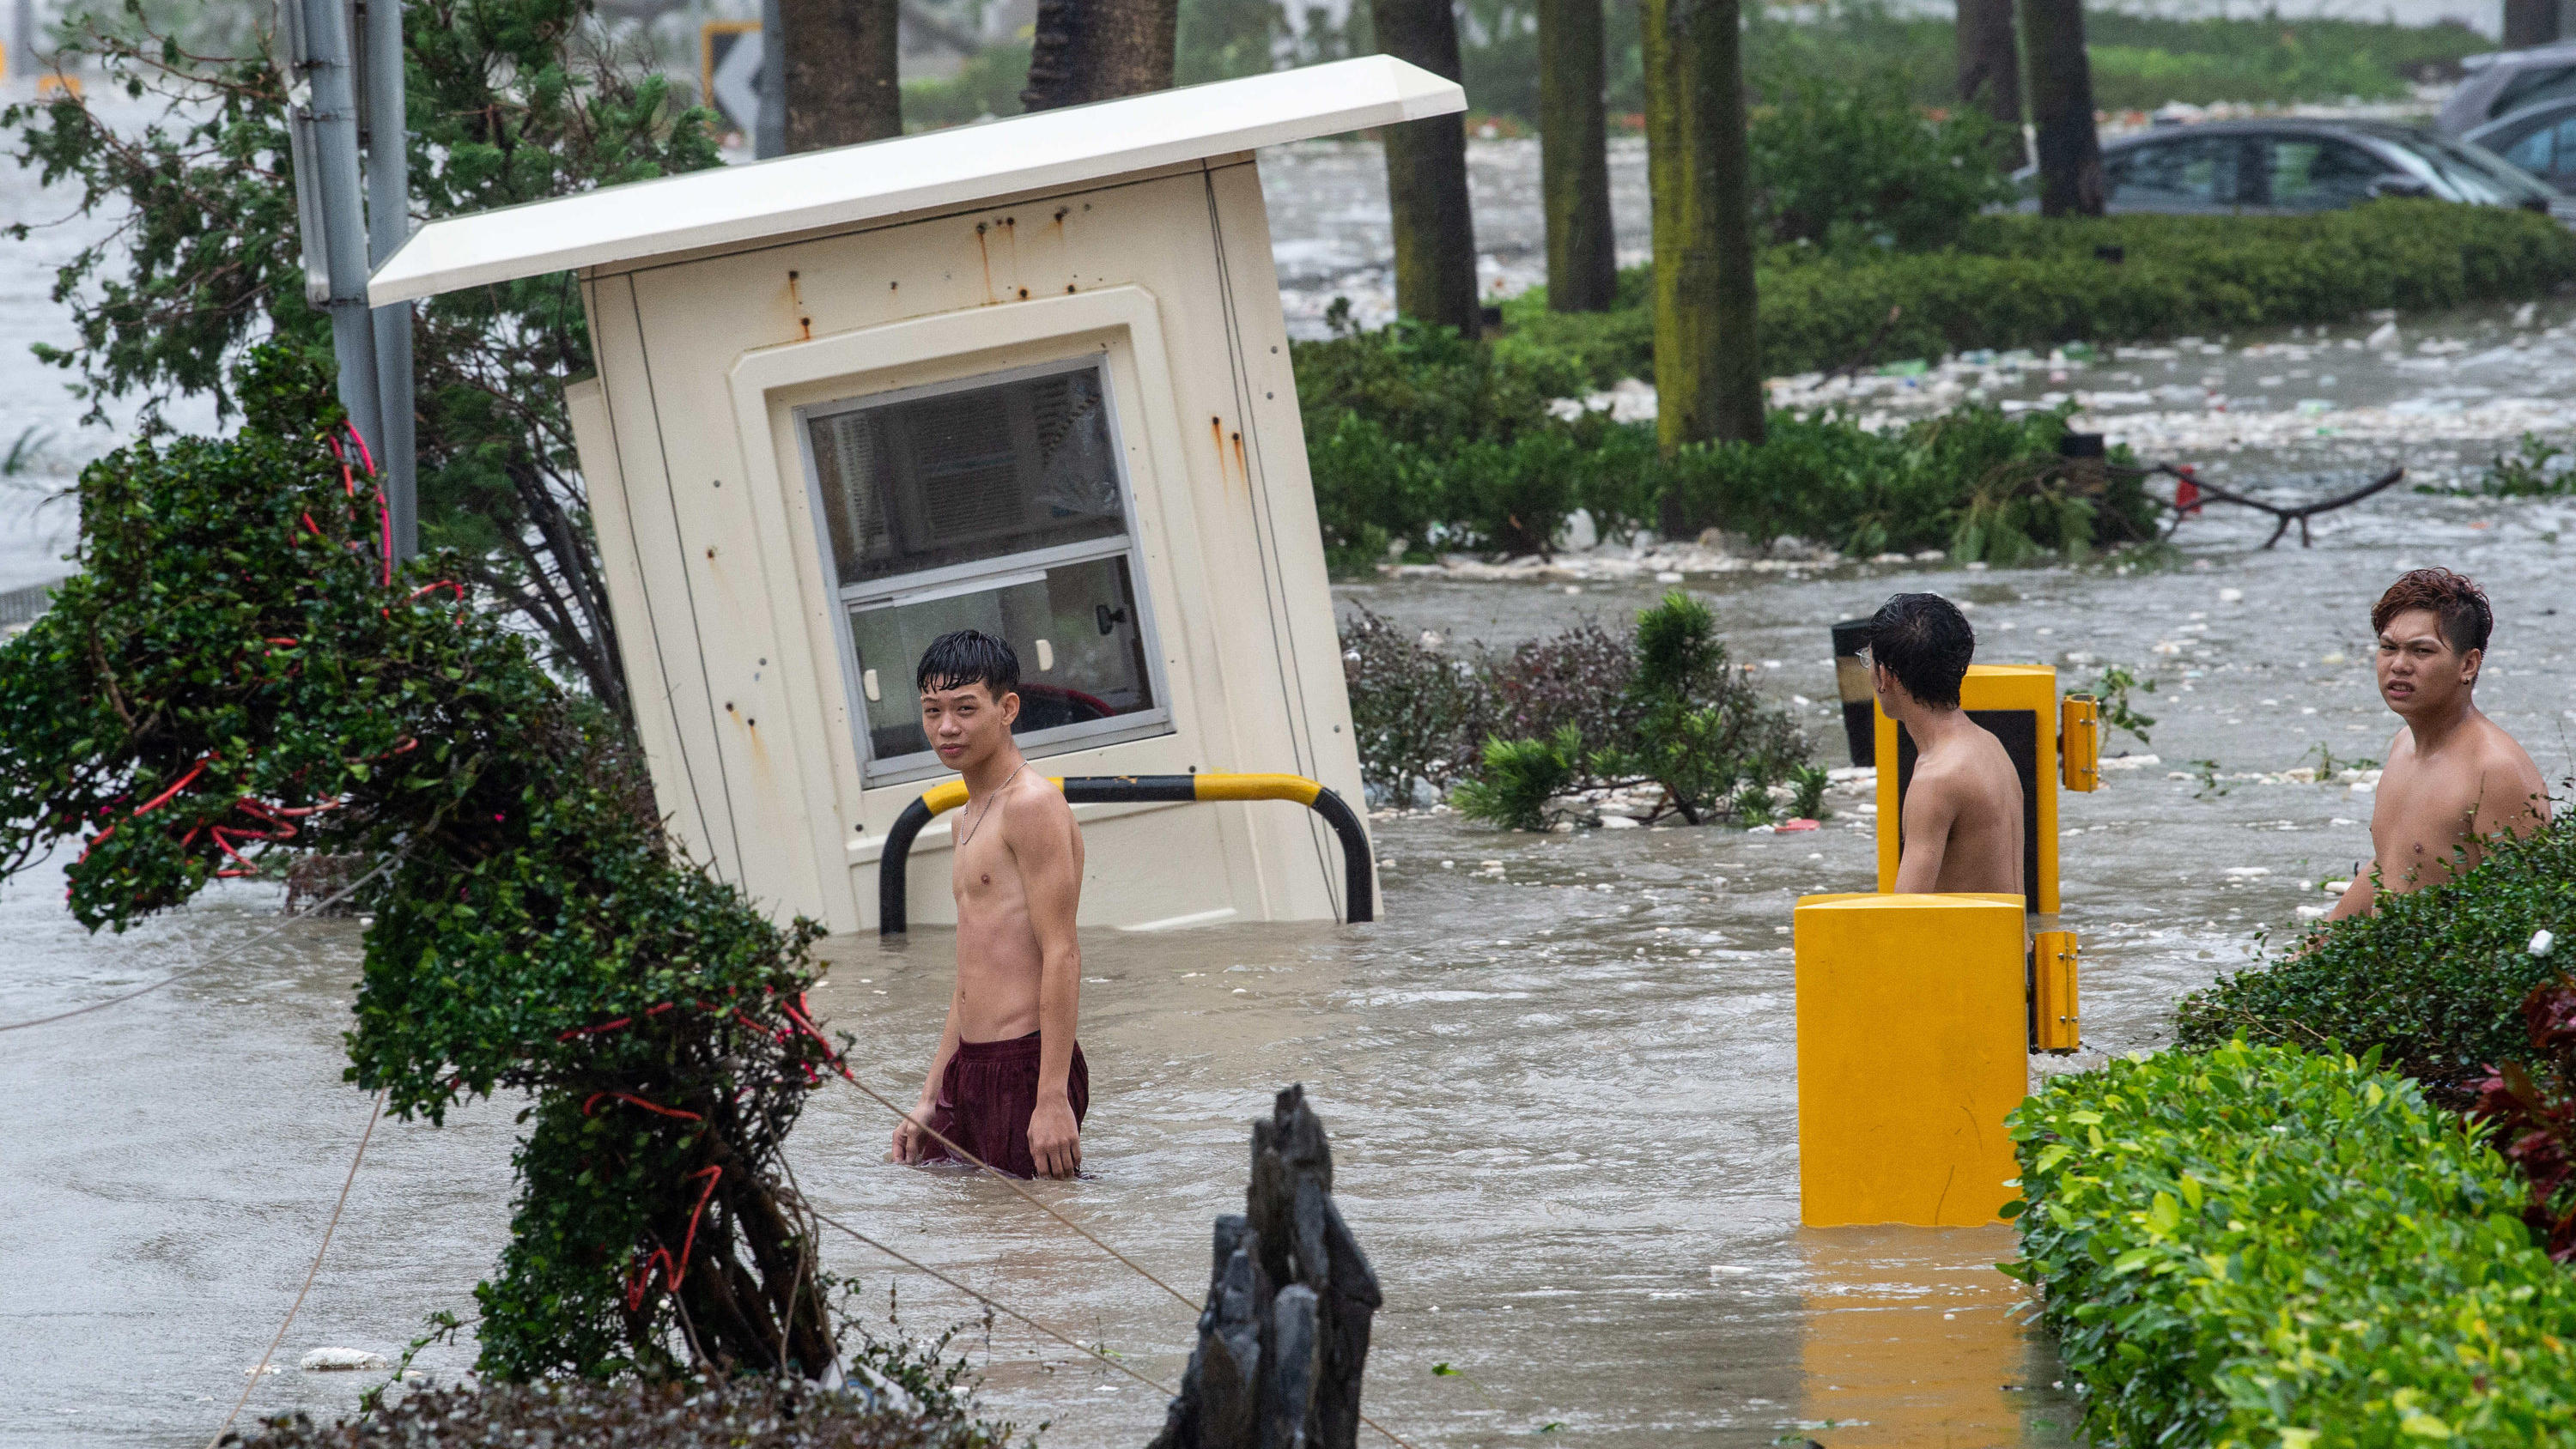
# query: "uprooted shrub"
[[1682, 719], [238, 674]]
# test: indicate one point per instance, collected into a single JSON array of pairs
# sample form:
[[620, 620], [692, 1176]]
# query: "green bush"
[[2027, 281], [1677, 717], [2261, 1247], [2434, 980], [1844, 163]]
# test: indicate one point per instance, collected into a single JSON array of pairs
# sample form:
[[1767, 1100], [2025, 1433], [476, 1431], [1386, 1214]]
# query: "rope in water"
[[217, 959], [995, 1304], [309, 1274], [1013, 1183], [797, 1015]]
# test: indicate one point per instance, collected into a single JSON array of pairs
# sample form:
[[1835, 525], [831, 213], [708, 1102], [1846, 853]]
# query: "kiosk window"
[[995, 504]]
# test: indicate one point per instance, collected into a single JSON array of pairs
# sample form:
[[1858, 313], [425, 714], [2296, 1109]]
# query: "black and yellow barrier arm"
[[1359, 884]]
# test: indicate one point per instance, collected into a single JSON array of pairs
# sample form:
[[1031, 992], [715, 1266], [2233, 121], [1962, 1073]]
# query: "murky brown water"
[[1560, 1090]]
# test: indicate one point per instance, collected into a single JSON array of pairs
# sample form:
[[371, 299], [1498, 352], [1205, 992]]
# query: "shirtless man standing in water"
[[1008, 1082], [2454, 779], [1963, 806]]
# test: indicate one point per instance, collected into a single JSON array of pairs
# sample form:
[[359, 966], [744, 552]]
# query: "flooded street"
[[1558, 1077]]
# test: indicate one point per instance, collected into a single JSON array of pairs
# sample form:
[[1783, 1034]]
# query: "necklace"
[[988, 809]]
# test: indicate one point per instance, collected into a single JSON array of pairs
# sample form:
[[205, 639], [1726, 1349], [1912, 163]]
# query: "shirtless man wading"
[[2454, 779], [1008, 1082], [1963, 807]]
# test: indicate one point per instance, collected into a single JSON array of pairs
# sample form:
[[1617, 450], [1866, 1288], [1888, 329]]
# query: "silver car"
[[2540, 139], [2501, 82], [2288, 166]]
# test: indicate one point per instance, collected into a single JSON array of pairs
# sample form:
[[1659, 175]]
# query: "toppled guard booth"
[[1029, 376]]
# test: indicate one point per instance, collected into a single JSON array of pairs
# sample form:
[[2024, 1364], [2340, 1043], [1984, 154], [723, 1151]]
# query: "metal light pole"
[[22, 40], [388, 226], [769, 133], [325, 139]]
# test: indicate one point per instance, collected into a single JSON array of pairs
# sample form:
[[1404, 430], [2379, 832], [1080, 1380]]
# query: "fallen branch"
[[1868, 351], [2203, 492]]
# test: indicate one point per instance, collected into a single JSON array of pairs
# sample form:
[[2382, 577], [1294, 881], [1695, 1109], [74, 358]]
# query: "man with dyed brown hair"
[[2454, 780]]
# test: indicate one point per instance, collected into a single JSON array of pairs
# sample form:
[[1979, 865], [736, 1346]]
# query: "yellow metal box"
[[1912, 1046]]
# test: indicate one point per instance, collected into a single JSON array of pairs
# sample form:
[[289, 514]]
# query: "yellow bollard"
[[2079, 739], [2052, 996], [1913, 1041]]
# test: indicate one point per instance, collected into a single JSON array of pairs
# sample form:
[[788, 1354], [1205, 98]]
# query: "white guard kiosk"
[[1028, 376]]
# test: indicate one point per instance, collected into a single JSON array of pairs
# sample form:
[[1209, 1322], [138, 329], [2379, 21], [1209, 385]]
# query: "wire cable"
[[309, 1274], [988, 1301]]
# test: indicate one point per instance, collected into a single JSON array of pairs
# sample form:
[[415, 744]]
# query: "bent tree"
[[238, 673]]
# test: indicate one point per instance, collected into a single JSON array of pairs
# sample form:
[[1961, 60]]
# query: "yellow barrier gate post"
[[1912, 1045]]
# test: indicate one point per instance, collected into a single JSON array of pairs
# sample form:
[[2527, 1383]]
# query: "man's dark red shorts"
[[987, 1094]]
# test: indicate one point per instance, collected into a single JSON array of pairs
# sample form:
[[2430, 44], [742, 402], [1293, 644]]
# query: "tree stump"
[[1283, 1341]]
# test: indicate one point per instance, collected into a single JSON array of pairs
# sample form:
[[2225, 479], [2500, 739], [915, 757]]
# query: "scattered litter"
[[1726, 1270], [1801, 823], [2130, 762], [2541, 941], [1618, 822], [2310, 913], [339, 1360], [2246, 872], [2231, 596]]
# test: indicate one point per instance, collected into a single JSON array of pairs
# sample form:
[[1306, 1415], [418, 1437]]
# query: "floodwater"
[[1558, 1077]]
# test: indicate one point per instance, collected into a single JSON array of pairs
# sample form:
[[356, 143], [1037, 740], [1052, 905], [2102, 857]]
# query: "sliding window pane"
[[967, 475]]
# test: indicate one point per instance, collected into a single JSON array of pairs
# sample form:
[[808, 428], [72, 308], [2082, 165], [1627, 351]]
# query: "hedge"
[[2262, 1247], [2434, 980], [2024, 281]]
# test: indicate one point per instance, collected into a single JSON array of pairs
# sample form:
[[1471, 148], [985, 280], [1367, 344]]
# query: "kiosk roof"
[[954, 167]]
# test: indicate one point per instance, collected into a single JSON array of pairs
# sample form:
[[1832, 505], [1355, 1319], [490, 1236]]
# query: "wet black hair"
[[1926, 643], [968, 656], [2461, 606]]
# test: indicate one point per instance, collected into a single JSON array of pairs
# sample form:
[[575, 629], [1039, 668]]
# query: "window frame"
[[985, 575]]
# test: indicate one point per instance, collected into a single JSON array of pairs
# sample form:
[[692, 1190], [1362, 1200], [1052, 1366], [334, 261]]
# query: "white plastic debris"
[[2381, 338], [2246, 872], [339, 1360], [2231, 596], [1617, 822], [2541, 942]]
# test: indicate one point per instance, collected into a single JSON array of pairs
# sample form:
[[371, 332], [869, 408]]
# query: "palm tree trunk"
[[1095, 50], [2061, 107], [1573, 157], [1426, 176], [1990, 72], [1708, 370], [840, 70]]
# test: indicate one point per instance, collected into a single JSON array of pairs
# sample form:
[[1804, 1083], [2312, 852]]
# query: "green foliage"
[[1678, 717], [745, 1413], [1844, 162], [2434, 980], [1519, 777], [2111, 688], [987, 84], [1416, 714], [231, 677], [1810, 782], [2028, 281], [508, 101], [2259, 1246], [1982, 484], [2528, 472], [2140, 61]]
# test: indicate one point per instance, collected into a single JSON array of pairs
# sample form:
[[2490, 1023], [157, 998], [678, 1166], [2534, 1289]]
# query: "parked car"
[[2502, 82], [2540, 139], [2289, 166]]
